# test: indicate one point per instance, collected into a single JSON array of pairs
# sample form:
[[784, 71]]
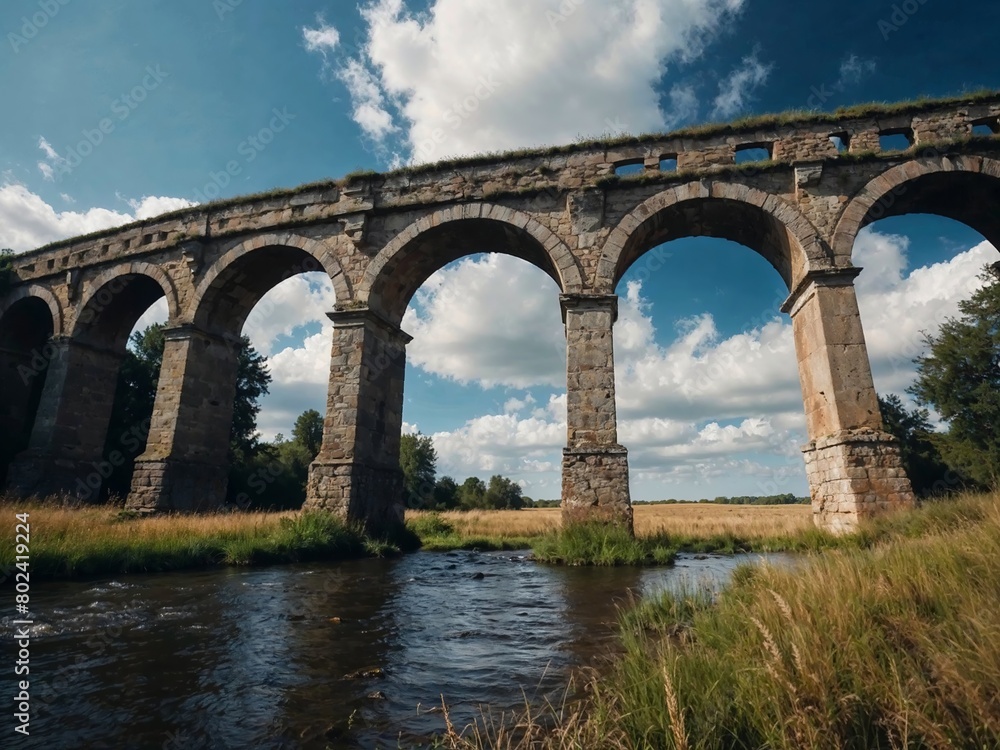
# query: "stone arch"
[[115, 299], [39, 292], [926, 185], [494, 228], [762, 221], [296, 253]]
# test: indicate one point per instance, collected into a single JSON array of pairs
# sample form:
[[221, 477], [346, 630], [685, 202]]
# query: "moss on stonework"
[[370, 178]]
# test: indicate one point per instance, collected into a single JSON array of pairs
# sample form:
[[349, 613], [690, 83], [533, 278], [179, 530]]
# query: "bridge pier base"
[[65, 452], [595, 467], [356, 474], [185, 466], [853, 465]]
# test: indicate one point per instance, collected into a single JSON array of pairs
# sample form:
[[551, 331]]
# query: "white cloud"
[[323, 39], [458, 333], [27, 221], [736, 91], [464, 77], [853, 69], [897, 308], [150, 205], [302, 300]]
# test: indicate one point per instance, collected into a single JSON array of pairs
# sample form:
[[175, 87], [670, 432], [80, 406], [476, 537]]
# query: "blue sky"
[[184, 87]]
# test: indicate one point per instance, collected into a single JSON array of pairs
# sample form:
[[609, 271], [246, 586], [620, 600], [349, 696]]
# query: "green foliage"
[[136, 393], [603, 545], [418, 460], [308, 432], [786, 498], [890, 647], [472, 493], [960, 378], [503, 494], [6, 269], [928, 472], [445, 494], [253, 381]]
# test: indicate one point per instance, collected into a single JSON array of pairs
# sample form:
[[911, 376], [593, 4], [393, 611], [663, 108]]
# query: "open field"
[[67, 542], [890, 642], [683, 520]]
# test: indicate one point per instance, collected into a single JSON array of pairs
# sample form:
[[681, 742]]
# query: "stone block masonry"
[[566, 210]]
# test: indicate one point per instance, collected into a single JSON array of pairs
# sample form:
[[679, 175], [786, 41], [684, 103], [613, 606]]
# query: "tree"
[[446, 494], [471, 494], [418, 460], [503, 494], [308, 432], [960, 379], [6, 269], [921, 458], [135, 395], [253, 381]]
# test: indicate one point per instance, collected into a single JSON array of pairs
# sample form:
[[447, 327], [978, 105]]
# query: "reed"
[[890, 642]]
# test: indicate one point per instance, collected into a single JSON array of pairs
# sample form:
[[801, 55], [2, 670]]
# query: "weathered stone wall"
[[595, 466], [185, 464], [565, 210], [356, 473], [853, 476]]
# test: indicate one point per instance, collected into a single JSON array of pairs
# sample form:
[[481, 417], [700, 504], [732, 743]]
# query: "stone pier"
[[595, 466], [357, 474], [185, 466], [853, 465], [578, 213]]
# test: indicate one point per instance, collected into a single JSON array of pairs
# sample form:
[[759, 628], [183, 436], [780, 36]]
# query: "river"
[[355, 654]]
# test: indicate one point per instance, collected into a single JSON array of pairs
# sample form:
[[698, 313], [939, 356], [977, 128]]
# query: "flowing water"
[[353, 654]]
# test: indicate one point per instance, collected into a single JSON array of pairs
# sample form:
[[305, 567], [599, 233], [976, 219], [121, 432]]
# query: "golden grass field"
[[685, 519]]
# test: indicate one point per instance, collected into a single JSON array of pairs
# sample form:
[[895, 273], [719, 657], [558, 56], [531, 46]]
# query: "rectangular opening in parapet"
[[146, 239], [630, 167], [895, 140], [104, 249], [161, 236], [986, 126], [751, 152], [668, 163], [841, 142]]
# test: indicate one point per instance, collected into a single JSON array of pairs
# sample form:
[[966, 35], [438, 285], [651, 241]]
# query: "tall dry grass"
[[68, 541], [894, 643], [700, 526]]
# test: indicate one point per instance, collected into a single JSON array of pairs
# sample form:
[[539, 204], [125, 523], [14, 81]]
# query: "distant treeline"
[[786, 499]]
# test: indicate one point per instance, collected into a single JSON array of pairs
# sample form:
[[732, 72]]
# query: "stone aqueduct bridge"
[[72, 304]]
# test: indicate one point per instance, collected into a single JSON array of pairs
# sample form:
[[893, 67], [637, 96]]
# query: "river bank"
[[891, 641], [87, 541]]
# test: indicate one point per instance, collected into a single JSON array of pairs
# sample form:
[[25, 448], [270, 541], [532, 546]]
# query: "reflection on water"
[[355, 654]]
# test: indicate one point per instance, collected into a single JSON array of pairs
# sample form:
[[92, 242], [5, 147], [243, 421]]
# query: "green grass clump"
[[92, 541], [892, 646], [603, 545], [438, 535]]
